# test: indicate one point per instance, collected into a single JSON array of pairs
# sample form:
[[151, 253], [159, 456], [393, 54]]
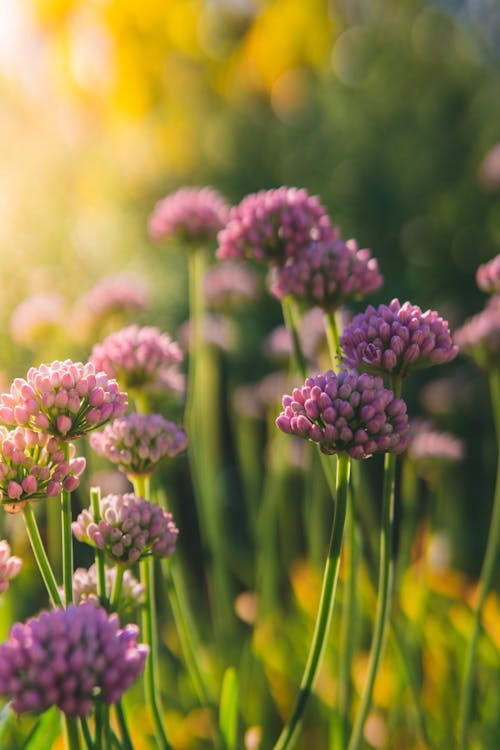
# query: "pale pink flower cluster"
[[113, 296], [488, 276], [85, 588], [189, 213], [10, 565], [479, 336], [35, 316], [64, 399], [229, 283], [428, 444]]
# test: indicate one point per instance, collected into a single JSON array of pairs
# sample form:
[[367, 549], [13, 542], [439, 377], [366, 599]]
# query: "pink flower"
[[488, 276], [189, 213], [36, 317], [9, 566]]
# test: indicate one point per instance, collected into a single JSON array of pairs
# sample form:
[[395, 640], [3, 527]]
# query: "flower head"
[[346, 412], [396, 339], [229, 283], [85, 588], [138, 356], [33, 466], [9, 566], [138, 442], [428, 448], [68, 658], [64, 399], [327, 274], [479, 337], [189, 213], [488, 276], [273, 225], [36, 317], [129, 528]]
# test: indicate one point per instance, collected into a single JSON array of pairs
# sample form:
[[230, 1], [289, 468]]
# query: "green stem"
[[122, 723], [332, 337], [95, 500], [485, 579], [41, 556], [323, 620], [385, 585], [290, 317], [71, 733], [117, 587], [87, 736], [67, 538]]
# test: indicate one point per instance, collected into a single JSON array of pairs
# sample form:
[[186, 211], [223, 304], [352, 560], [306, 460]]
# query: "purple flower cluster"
[[33, 466], [9, 566], [327, 274], [138, 442], [488, 276], [479, 337], [189, 213], [137, 356], [346, 412], [85, 588], [273, 225], [68, 658], [129, 528], [64, 399], [396, 339]]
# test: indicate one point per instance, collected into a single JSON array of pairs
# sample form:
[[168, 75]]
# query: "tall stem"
[[41, 556], [332, 336], [95, 498], [385, 585], [290, 317], [485, 579], [67, 538], [71, 733], [323, 620]]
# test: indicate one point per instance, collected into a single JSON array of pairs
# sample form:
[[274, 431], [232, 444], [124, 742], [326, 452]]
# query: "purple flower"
[[273, 225], [129, 528], [488, 276], [9, 566], [346, 412], [479, 337], [189, 213], [138, 442], [85, 588], [396, 339], [327, 274], [227, 284], [64, 399], [68, 658], [33, 467], [138, 356]]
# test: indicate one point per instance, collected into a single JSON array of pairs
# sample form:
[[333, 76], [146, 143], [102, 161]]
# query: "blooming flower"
[[430, 450], [85, 588], [138, 356], [479, 337], [190, 213], [327, 274], [9, 566], [68, 658], [36, 317], [346, 412], [129, 528], [33, 466], [138, 442], [488, 276], [273, 225], [396, 339], [226, 284], [64, 399]]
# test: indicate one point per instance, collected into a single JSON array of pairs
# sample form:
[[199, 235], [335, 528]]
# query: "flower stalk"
[[41, 556]]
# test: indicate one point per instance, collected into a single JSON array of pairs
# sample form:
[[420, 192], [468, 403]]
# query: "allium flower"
[[327, 274], [36, 317], [479, 337], [346, 412], [33, 466], [85, 588], [138, 442], [189, 213], [138, 356], [229, 283], [68, 658], [9, 566], [273, 225], [129, 528], [427, 443], [217, 330], [488, 276], [64, 399], [396, 339]]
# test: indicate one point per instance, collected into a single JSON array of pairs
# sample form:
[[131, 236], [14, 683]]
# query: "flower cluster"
[[68, 658], [137, 442], [327, 274], [137, 356], [9, 566], [111, 298], [430, 449], [346, 412], [190, 213], [488, 276], [396, 339], [33, 466], [85, 588], [129, 528], [64, 399], [228, 283], [479, 337], [273, 225], [35, 317]]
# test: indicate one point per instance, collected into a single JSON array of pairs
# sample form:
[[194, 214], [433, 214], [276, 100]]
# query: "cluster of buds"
[[138, 442], [34, 466], [68, 658], [65, 399], [227, 284], [190, 214], [346, 412], [85, 588], [479, 337], [128, 529], [488, 276], [10, 565]]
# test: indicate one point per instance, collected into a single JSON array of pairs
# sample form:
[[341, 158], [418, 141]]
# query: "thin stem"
[[41, 556], [324, 616], [67, 538], [117, 586], [485, 579], [385, 585], [87, 736], [332, 336], [71, 733], [95, 499], [122, 723], [290, 317]]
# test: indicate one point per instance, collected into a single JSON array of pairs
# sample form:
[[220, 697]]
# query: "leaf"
[[228, 711], [45, 731]]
